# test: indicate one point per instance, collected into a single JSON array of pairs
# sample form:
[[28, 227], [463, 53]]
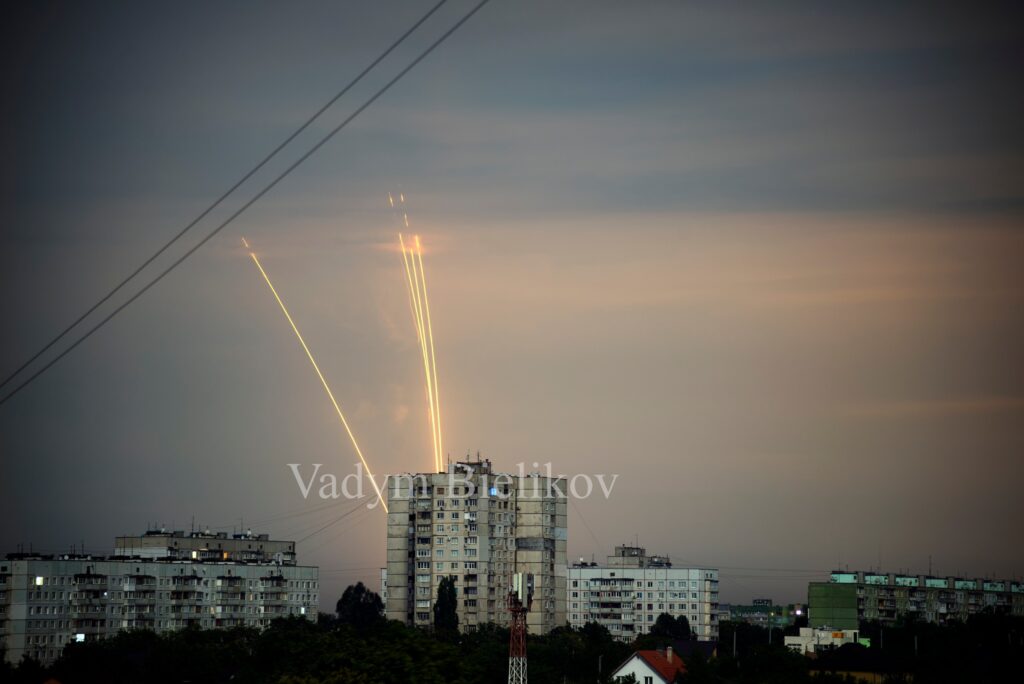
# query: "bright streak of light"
[[323, 380], [433, 358], [412, 272]]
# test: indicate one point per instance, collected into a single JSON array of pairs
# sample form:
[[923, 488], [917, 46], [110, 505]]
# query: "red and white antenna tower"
[[519, 601]]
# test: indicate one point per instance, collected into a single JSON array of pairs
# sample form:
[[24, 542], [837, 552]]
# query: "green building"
[[832, 605], [850, 597]]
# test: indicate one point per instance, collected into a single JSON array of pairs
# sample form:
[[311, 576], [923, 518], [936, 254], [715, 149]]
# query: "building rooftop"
[[666, 663]]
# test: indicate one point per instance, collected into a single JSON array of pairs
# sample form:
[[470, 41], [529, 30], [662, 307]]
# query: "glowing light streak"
[[433, 358], [419, 319], [323, 380], [419, 306]]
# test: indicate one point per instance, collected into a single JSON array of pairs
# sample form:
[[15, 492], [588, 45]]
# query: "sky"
[[761, 262]]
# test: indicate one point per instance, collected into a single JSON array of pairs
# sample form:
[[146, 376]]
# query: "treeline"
[[988, 647], [357, 646], [296, 651]]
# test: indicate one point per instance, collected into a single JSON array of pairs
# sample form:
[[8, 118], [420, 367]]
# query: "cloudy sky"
[[762, 262]]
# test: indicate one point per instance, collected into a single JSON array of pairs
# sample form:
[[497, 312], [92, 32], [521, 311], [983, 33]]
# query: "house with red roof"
[[652, 667]]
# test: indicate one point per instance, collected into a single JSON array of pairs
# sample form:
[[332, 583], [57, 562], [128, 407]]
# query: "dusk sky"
[[762, 262]]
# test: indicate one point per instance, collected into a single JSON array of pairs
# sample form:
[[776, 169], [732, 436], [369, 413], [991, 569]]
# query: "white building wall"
[[50, 602], [639, 668], [628, 601]]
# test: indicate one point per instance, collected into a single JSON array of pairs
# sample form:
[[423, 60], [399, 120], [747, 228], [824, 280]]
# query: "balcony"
[[88, 612]]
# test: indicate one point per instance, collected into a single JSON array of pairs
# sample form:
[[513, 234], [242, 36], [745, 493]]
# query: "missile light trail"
[[320, 375], [417, 311], [433, 358], [419, 304]]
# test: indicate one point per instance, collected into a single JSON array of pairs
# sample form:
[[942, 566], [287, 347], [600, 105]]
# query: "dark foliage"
[[337, 651], [446, 618], [359, 607]]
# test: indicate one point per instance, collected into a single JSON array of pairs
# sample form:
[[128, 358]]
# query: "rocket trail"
[[433, 358], [417, 310], [323, 380], [419, 305]]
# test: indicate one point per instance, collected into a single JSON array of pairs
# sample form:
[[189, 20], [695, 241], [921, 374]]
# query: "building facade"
[[478, 527], [47, 602], [849, 598], [811, 640], [206, 546], [630, 591]]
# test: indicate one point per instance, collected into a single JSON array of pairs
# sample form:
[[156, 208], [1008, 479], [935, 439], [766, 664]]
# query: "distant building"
[[207, 546], [630, 591], [851, 597], [764, 612], [478, 527], [652, 667], [812, 640], [49, 601]]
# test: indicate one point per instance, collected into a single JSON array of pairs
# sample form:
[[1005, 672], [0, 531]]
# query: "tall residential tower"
[[479, 527]]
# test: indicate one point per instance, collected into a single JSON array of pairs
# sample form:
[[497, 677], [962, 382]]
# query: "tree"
[[446, 619], [668, 627], [359, 607]]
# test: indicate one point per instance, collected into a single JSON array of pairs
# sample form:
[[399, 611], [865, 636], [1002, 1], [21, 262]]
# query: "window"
[[648, 679]]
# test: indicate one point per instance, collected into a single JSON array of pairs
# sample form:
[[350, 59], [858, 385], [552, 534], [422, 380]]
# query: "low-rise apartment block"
[[630, 591], [849, 598], [48, 601]]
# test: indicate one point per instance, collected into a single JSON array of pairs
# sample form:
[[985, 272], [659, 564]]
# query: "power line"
[[245, 206], [333, 522], [230, 190], [283, 516]]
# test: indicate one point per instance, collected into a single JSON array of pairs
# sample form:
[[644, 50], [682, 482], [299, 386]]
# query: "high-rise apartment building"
[[478, 527], [630, 591], [48, 601]]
